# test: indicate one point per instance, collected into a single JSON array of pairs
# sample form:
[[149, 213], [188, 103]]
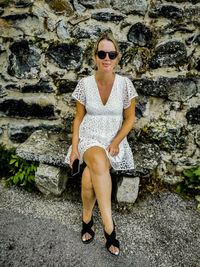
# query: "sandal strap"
[[86, 228], [111, 239]]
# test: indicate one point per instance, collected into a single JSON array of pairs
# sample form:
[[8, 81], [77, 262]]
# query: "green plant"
[[5, 156], [191, 184], [23, 173]]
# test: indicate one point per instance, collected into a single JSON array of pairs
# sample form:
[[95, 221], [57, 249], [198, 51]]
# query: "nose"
[[107, 56]]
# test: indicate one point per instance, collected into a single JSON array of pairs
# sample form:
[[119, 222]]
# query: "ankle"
[[109, 228], [87, 215]]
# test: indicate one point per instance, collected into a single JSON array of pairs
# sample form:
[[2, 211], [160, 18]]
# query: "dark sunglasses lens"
[[112, 54], [101, 54]]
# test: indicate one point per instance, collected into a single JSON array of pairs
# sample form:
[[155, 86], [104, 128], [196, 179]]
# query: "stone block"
[[128, 190], [50, 179], [66, 56], [45, 147], [18, 108]]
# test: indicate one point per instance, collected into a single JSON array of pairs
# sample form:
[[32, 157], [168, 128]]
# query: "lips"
[[106, 65]]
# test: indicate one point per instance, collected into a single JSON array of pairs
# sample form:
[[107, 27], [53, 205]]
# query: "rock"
[[172, 179], [139, 34], [19, 109], [24, 60], [22, 3], [39, 12], [141, 107], [27, 23], [197, 67], [70, 101], [51, 24], [94, 3], [20, 133], [146, 159], [2, 92], [61, 6], [166, 11], [79, 8], [3, 3], [45, 147], [185, 163], [128, 190], [62, 30], [41, 86], [91, 32], [65, 86], [67, 121], [106, 16], [66, 56], [76, 20], [169, 53], [197, 137], [167, 134], [2, 48], [192, 14], [197, 39], [180, 1], [193, 115], [130, 6], [175, 89], [123, 46], [50, 179]]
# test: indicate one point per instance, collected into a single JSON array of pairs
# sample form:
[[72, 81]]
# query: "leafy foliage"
[[17, 171], [5, 156], [191, 184]]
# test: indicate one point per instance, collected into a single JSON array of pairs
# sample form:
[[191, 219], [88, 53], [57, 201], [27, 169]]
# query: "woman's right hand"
[[74, 155]]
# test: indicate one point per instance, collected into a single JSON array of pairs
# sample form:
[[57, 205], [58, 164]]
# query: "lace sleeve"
[[79, 92], [129, 93]]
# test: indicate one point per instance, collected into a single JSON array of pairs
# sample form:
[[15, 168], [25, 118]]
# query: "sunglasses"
[[102, 54]]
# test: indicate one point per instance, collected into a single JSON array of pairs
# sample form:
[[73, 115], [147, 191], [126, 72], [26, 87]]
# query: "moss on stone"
[[60, 5], [165, 133]]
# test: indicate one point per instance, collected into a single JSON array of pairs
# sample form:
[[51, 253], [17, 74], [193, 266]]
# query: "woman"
[[105, 113]]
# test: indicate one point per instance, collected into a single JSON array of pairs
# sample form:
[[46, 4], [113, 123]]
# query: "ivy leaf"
[[16, 164], [21, 176], [12, 161], [30, 178], [15, 180], [188, 173], [197, 172]]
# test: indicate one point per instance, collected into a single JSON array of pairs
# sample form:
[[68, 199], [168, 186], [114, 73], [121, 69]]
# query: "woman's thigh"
[[96, 159]]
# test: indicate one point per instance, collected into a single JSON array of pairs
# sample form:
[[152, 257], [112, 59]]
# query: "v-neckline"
[[110, 90]]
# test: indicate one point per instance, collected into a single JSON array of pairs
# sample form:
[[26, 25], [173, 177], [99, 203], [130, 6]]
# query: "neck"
[[104, 77]]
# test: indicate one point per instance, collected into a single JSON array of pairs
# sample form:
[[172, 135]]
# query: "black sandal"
[[111, 241], [86, 228]]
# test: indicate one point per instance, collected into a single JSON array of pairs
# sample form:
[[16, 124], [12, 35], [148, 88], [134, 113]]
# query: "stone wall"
[[45, 48]]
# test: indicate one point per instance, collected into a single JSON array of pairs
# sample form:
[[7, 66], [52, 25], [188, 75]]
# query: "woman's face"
[[106, 64]]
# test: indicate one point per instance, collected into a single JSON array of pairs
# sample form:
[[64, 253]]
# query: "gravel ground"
[[45, 231]]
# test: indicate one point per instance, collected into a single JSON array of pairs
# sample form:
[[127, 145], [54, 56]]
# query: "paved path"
[[38, 231]]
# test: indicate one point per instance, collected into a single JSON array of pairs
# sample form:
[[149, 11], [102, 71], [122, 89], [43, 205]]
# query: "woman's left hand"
[[113, 149]]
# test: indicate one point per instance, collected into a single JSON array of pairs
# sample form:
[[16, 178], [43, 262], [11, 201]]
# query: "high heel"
[[112, 241], [87, 228]]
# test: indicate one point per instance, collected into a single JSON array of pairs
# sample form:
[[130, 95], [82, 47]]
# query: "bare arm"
[[80, 113], [129, 119]]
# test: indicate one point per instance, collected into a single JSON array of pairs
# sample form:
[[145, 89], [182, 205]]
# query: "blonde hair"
[[105, 36]]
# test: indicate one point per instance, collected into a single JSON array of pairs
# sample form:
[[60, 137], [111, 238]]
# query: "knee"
[[99, 165]]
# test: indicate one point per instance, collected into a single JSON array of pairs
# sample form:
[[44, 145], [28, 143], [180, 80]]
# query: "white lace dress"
[[102, 122]]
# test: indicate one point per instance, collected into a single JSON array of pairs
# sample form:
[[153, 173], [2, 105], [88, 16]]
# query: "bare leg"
[[99, 165], [88, 199]]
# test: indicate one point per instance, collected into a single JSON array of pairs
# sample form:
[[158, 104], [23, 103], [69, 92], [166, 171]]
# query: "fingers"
[[73, 156], [113, 151]]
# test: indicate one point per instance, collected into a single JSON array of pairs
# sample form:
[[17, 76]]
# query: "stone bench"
[[50, 149]]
